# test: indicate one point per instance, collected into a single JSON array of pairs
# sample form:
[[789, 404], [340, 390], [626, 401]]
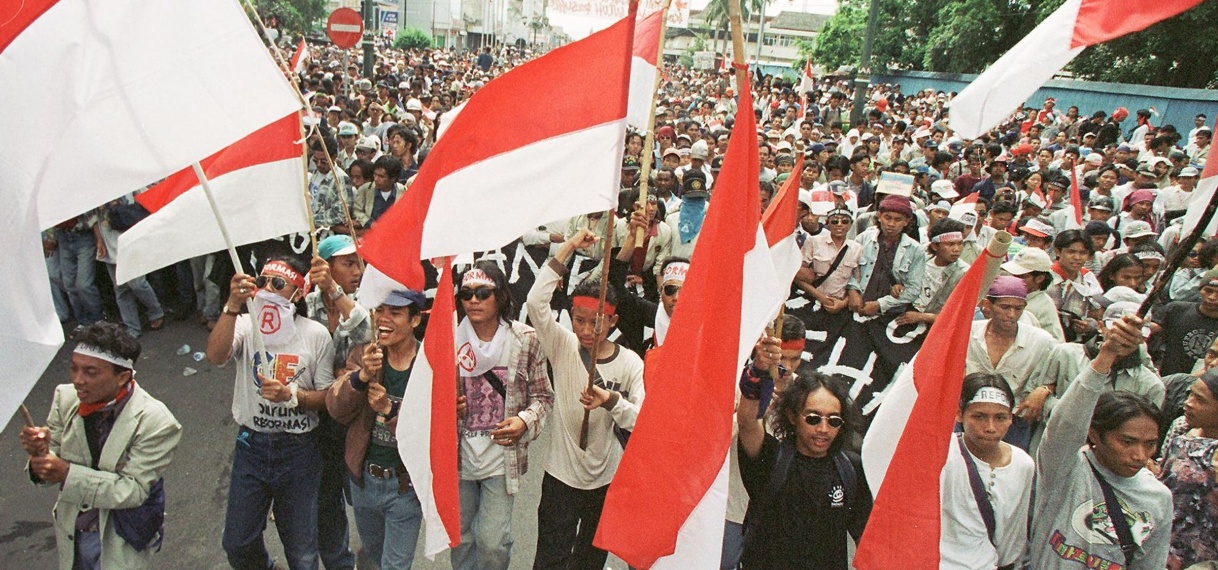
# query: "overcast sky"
[[578, 27]]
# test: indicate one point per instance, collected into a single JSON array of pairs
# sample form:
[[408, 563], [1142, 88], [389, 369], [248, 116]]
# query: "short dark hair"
[[591, 287], [392, 166], [1115, 408], [974, 382], [791, 402], [406, 133], [112, 338], [1004, 207], [792, 329]]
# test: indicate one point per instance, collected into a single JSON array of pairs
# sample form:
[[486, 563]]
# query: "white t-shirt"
[[963, 541], [307, 360], [481, 457]]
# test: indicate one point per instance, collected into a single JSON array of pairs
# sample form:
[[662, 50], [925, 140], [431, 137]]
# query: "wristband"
[[293, 402], [358, 384], [394, 408]]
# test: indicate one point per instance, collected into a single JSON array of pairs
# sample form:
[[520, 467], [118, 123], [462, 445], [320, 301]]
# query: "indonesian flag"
[[1037, 198], [502, 167], [807, 83], [903, 458], [779, 223], [1204, 193], [427, 424], [966, 205], [108, 97], [1046, 50], [300, 59], [182, 225], [1075, 221], [677, 460], [643, 68]]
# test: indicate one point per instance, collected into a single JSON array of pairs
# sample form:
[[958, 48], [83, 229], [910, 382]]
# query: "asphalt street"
[[197, 482]]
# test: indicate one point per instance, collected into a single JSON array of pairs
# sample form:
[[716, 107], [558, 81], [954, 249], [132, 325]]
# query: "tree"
[[297, 17], [717, 16], [1176, 52], [412, 38]]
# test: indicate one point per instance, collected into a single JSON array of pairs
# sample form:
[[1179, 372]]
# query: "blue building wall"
[[1176, 106]]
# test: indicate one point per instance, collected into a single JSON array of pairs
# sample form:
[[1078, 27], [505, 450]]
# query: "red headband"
[[793, 344], [286, 271], [591, 303]]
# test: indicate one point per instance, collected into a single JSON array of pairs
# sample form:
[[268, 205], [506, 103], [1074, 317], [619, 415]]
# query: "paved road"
[[197, 481]]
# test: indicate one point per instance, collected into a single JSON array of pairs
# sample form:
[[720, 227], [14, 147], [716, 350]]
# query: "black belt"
[[382, 472]]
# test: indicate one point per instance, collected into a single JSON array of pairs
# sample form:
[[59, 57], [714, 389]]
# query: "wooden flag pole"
[[650, 135], [1177, 258], [606, 253], [737, 23], [259, 344], [25, 415]]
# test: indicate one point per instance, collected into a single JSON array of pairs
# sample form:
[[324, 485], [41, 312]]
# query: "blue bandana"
[[689, 222]]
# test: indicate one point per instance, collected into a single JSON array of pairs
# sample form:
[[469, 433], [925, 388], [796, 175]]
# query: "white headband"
[[990, 395], [675, 272], [948, 236], [100, 354], [475, 278], [1148, 255]]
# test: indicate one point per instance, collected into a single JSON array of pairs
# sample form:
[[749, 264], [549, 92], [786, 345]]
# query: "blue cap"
[[816, 148], [405, 298], [335, 245]]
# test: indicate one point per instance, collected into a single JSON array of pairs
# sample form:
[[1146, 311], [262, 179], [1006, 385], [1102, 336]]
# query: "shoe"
[[157, 324]]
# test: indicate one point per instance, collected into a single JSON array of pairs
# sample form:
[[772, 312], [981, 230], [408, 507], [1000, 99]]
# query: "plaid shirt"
[[528, 395]]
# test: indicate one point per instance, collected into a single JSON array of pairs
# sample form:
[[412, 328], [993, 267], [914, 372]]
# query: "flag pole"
[[1181, 253], [308, 196], [606, 253], [259, 345], [650, 135], [737, 23], [342, 199]]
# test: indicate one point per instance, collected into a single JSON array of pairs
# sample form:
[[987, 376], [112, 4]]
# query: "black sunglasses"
[[814, 419], [277, 283], [837, 222], [671, 290], [481, 293]]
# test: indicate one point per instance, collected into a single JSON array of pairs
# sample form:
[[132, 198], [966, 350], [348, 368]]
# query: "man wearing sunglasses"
[[830, 261], [576, 479], [506, 397], [276, 400], [635, 312]]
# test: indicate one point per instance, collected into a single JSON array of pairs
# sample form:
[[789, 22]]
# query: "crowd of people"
[[1087, 434]]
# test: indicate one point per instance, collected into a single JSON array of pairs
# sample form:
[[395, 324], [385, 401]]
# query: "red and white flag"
[[300, 59], [109, 97], [1075, 221], [503, 166], [182, 225], [807, 83], [779, 223], [1203, 194], [643, 68], [427, 424], [677, 460], [903, 458], [1046, 50]]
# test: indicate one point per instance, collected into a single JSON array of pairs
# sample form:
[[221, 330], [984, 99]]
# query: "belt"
[[382, 472]]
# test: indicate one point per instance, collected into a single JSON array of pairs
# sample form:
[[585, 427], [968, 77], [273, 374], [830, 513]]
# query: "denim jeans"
[[88, 551], [77, 269], [273, 468], [486, 525], [130, 296], [381, 513], [207, 293], [63, 308], [566, 522], [733, 545]]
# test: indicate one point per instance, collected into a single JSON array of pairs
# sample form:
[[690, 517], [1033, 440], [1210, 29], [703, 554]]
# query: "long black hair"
[[503, 293], [791, 402]]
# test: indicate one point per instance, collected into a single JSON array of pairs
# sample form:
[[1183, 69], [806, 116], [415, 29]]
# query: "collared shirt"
[[908, 266], [819, 251], [1023, 361], [327, 206]]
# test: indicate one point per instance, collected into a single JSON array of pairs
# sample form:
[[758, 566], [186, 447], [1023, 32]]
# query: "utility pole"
[[862, 81], [369, 51], [760, 31]]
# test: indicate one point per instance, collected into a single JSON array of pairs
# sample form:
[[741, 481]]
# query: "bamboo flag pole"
[[650, 135], [259, 345], [1177, 259], [737, 23], [606, 253]]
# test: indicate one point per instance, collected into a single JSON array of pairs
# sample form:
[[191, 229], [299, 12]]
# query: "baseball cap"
[[1100, 203], [335, 245], [1189, 172], [944, 188], [1146, 169], [1137, 229], [1037, 228], [346, 129], [693, 185], [370, 142], [1028, 259], [405, 298], [414, 105], [671, 151]]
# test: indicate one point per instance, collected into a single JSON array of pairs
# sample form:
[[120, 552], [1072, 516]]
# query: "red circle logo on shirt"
[[466, 359], [268, 320]]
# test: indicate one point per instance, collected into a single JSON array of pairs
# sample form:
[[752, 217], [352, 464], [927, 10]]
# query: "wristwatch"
[[230, 312], [338, 292]]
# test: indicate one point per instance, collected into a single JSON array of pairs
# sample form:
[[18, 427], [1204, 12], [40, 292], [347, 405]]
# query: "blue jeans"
[[130, 296], [88, 551], [78, 270], [207, 293], [273, 468], [380, 512], [63, 308], [486, 525], [733, 545]]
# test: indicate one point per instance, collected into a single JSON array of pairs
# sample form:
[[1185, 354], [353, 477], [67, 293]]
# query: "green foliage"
[[296, 17], [965, 36], [412, 38]]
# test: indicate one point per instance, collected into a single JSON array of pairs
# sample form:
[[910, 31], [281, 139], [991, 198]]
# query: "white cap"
[[1028, 259], [414, 105], [944, 188], [699, 150]]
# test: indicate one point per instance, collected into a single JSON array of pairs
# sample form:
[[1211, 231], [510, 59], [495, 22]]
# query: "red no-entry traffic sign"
[[345, 27]]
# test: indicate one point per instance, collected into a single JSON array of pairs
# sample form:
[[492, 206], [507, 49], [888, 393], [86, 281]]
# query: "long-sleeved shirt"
[[908, 266], [594, 466]]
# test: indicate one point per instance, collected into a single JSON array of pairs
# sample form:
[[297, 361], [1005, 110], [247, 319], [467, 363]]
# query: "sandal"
[[157, 324]]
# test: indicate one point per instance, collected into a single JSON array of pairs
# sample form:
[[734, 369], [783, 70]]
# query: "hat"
[[941, 205], [1006, 286], [693, 185], [1210, 278], [1142, 195], [1137, 229], [1085, 135], [346, 129], [1124, 148], [773, 134], [1147, 169], [365, 85], [671, 151], [370, 142], [334, 109], [665, 131], [337, 244], [413, 104], [684, 136], [816, 148], [805, 197], [1028, 259], [784, 145], [897, 204], [630, 163], [403, 85], [1188, 172], [1095, 158], [405, 298], [929, 143], [699, 150], [1020, 150], [944, 188], [1037, 228], [838, 187]]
